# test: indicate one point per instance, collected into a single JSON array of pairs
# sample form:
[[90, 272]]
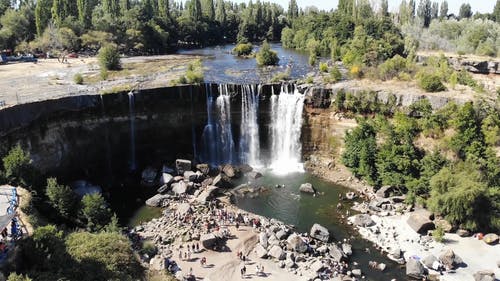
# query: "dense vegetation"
[[458, 176]]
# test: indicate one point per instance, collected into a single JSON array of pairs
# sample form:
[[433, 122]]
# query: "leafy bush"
[[95, 211], [104, 74], [78, 79], [465, 78], [392, 67], [438, 234], [355, 71], [243, 49], [61, 198], [109, 58], [266, 56], [335, 74], [323, 67], [17, 165], [18, 277], [107, 255], [281, 76], [312, 59], [430, 82]]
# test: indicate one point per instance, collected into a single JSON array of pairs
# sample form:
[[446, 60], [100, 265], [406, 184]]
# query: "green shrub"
[[438, 234], [323, 67], [148, 248], [243, 49], [104, 74], [465, 78], [453, 79], [309, 80], [18, 277], [109, 58], [17, 164], [61, 198], [194, 77], [392, 67], [281, 76], [95, 211], [312, 59], [266, 56], [78, 79], [335, 74], [430, 82]]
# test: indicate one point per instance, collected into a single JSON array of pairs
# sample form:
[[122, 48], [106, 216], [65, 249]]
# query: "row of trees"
[[459, 179], [152, 26]]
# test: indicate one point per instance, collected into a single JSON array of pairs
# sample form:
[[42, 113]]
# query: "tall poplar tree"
[[293, 9], [443, 12], [424, 12], [164, 8], [42, 15], [220, 12], [208, 9]]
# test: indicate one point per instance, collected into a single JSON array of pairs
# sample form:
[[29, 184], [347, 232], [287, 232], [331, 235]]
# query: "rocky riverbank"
[[203, 236], [405, 237]]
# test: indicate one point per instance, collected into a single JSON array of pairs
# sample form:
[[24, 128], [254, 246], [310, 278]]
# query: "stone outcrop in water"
[[307, 188], [319, 232]]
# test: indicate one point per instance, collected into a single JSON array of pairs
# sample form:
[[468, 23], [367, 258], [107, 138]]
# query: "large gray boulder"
[[317, 266], [307, 188], [277, 253], [204, 168], [166, 178], [229, 170], [347, 249], [490, 238], [222, 181], [281, 234], [207, 194], [208, 240], [449, 259], [363, 220], [182, 165], [263, 239], [296, 243], [157, 263], [253, 175], [484, 275], [384, 191], [414, 269], [420, 221], [180, 187], [260, 251], [336, 253], [429, 260], [319, 232], [157, 200]]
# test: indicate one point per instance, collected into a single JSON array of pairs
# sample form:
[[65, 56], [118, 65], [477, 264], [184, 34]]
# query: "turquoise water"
[[303, 210]]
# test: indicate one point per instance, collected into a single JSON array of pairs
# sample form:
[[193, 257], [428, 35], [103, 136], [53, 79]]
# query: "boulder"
[[319, 232], [449, 259], [484, 275], [263, 239], [317, 266], [429, 260], [245, 168], [166, 178], [420, 221], [414, 269], [184, 209], [381, 266], [490, 238], [444, 224], [207, 194], [336, 253], [356, 272], [463, 233], [197, 177], [206, 182], [307, 188], [363, 220], [253, 175], [222, 181], [163, 189], [204, 168], [395, 253], [188, 174], [322, 249], [157, 200], [296, 243], [347, 249], [229, 170], [273, 240], [281, 234], [180, 187], [384, 191], [149, 175], [157, 263], [260, 251], [290, 264], [182, 165], [277, 253], [208, 240]]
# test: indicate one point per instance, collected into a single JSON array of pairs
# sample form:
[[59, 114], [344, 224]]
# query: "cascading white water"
[[286, 125], [131, 107], [249, 147], [226, 147]]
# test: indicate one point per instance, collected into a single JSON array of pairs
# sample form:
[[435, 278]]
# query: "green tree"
[[18, 277], [496, 12], [293, 9], [220, 12], [465, 11], [109, 58], [95, 211], [17, 164], [411, 9], [468, 129], [266, 56], [125, 6], [42, 15], [164, 8], [195, 10], [208, 9], [384, 8], [4, 5], [61, 198], [434, 10], [443, 12], [243, 49], [107, 255], [424, 12], [45, 250]]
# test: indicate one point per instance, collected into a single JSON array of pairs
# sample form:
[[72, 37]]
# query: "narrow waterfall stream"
[[249, 138], [131, 106]]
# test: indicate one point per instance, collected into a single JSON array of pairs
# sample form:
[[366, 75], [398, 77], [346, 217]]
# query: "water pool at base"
[[287, 204]]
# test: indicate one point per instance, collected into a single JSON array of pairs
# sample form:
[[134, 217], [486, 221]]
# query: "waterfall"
[[131, 109], [218, 144], [249, 147], [286, 125], [226, 145]]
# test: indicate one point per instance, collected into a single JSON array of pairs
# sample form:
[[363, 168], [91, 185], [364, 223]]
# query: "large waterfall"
[[249, 139], [286, 125], [218, 143]]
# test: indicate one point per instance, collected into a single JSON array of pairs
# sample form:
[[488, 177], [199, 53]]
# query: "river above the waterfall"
[[223, 67]]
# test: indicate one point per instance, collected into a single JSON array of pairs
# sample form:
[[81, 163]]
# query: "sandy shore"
[[394, 232]]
